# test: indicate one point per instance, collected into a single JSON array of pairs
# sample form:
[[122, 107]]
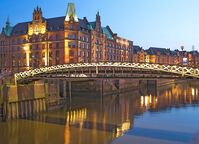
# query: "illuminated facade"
[[166, 56], [53, 41]]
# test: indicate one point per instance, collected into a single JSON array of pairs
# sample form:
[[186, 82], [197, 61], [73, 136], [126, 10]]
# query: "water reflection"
[[95, 119]]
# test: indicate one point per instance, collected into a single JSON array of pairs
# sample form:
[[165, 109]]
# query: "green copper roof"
[[91, 25], [107, 33], [8, 29], [71, 13]]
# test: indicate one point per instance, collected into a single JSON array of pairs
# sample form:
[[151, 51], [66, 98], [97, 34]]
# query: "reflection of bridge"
[[112, 70]]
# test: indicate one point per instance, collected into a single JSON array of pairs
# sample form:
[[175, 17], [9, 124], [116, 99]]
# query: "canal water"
[[162, 115]]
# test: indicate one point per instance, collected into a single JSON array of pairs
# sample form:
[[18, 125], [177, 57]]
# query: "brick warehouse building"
[[53, 41]]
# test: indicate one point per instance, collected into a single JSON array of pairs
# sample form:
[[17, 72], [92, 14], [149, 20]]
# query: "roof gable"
[[107, 32]]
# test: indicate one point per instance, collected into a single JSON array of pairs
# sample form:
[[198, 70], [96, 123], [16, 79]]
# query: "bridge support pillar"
[[58, 87], [6, 115], [64, 89], [69, 90]]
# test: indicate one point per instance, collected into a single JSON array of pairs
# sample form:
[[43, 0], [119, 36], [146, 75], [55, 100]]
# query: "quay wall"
[[22, 101]]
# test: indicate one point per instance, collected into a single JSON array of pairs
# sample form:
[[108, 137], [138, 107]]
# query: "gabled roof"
[[107, 32], [155, 51], [92, 25], [54, 24], [57, 23], [173, 53], [136, 49], [194, 53], [71, 13], [83, 23], [20, 29], [7, 31]]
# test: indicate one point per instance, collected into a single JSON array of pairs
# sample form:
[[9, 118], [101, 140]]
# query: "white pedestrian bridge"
[[109, 69]]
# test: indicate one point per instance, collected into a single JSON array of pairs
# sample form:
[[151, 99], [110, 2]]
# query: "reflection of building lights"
[[124, 127], [156, 100], [150, 99], [67, 134], [146, 101], [142, 100], [76, 116], [193, 91]]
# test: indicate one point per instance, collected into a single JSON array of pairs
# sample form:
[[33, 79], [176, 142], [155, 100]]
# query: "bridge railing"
[[181, 70]]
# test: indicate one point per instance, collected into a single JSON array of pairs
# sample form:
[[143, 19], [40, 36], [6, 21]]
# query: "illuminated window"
[[79, 53], [79, 37]]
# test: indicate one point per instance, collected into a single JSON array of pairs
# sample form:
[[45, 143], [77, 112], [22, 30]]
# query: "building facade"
[[61, 40], [155, 55]]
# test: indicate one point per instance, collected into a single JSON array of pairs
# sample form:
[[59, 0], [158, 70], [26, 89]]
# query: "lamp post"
[[182, 55]]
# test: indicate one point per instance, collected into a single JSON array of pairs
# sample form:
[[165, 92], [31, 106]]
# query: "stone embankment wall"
[[108, 86], [20, 101], [25, 100]]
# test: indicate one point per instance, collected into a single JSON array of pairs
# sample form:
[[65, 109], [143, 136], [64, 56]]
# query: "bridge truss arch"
[[114, 68]]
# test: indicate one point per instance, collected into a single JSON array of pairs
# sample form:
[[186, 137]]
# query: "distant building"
[[139, 54], [194, 58], [61, 40]]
